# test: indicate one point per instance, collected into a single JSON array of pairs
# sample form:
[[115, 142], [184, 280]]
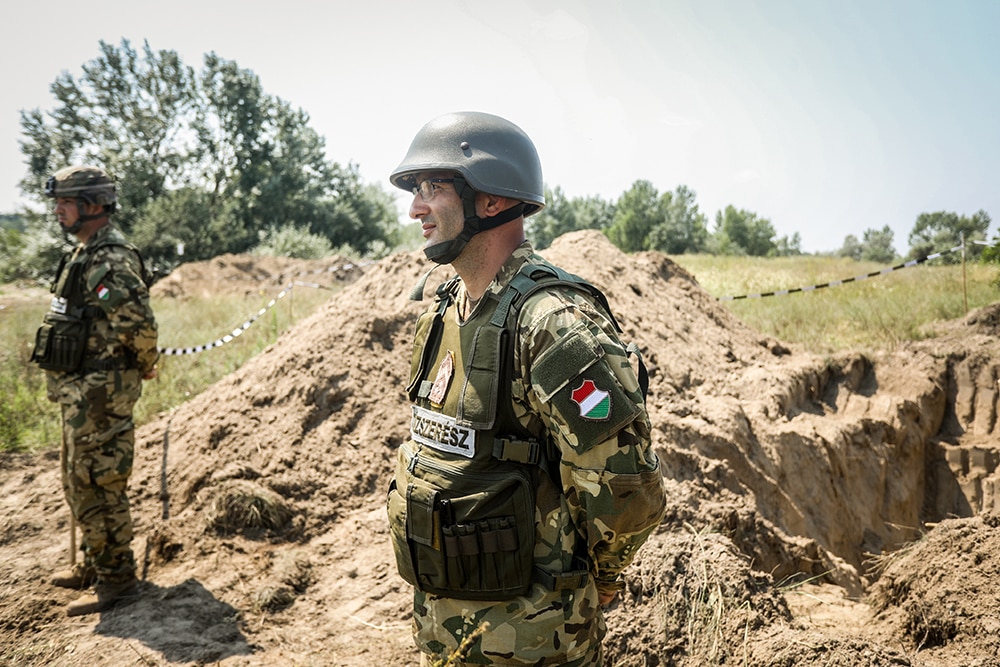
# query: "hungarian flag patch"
[[594, 403], [102, 292]]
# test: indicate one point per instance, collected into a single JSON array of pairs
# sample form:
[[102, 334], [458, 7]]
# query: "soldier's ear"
[[488, 205]]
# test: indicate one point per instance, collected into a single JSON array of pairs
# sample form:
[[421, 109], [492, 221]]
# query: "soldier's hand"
[[152, 374]]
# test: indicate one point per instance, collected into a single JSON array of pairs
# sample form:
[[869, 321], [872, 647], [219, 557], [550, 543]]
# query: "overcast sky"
[[825, 117]]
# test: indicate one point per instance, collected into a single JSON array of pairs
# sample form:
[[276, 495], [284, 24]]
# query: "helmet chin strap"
[[447, 251], [81, 218]]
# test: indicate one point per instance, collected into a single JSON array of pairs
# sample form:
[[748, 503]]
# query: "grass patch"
[[195, 322], [874, 314], [28, 421], [243, 507]]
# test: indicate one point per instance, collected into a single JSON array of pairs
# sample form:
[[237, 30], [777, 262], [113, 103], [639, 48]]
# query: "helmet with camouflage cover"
[[488, 154], [91, 184]]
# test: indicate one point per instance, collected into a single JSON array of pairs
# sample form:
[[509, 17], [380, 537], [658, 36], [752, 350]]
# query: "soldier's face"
[[441, 217], [67, 211]]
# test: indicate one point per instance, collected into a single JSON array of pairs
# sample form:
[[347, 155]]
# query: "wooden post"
[[64, 461], [965, 287]]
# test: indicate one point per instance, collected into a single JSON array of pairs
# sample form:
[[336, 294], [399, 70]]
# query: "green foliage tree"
[[787, 246], [291, 241], [683, 227], [942, 230], [637, 213], [876, 245], [562, 215], [742, 232], [206, 159], [12, 221], [31, 254], [852, 247], [991, 253]]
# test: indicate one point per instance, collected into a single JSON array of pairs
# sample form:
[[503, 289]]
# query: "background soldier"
[[97, 343], [528, 482]]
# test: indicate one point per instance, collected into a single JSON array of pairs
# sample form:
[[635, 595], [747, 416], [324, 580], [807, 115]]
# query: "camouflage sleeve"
[[585, 392], [115, 279]]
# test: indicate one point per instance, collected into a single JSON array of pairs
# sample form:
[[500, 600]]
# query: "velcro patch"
[[574, 377]]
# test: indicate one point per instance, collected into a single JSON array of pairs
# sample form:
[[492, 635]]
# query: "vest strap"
[[519, 451], [567, 581], [115, 364]]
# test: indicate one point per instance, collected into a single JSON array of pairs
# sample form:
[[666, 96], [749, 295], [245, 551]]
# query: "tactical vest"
[[462, 504], [61, 341]]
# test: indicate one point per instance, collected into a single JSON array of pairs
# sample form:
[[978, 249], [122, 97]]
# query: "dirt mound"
[[780, 467], [940, 592], [250, 274]]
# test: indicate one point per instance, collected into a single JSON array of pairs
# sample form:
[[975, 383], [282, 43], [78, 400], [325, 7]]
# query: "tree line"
[[209, 163], [206, 161], [644, 219]]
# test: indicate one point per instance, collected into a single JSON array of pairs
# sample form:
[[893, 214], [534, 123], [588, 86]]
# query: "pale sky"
[[827, 117]]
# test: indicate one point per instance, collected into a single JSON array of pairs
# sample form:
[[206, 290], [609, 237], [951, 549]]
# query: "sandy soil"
[[821, 511]]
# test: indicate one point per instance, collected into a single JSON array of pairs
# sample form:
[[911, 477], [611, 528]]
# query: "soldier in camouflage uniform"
[[97, 343], [528, 482]]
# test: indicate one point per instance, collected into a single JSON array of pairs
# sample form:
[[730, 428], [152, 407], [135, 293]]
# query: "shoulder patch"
[[574, 377]]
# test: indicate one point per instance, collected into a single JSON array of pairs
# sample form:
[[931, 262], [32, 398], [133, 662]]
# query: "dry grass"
[[459, 654], [877, 313], [243, 507]]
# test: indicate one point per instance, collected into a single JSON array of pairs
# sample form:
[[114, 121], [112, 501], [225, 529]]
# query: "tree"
[[877, 245], [786, 246], [852, 248], [683, 227], [943, 230], [206, 159], [741, 232], [991, 253], [562, 215], [637, 213]]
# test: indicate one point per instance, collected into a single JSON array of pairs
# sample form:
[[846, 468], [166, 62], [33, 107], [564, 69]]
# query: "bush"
[[292, 241]]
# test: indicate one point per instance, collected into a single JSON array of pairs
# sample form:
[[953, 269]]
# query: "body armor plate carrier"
[[61, 340], [462, 503]]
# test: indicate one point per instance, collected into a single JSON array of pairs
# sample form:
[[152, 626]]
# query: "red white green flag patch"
[[102, 292], [594, 403]]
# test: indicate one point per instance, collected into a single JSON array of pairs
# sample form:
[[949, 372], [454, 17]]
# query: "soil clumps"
[[834, 511]]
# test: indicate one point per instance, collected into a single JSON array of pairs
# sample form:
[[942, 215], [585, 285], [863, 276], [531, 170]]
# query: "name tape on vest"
[[442, 432]]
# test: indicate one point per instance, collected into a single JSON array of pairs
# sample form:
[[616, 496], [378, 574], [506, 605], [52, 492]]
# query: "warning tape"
[[838, 283], [238, 331]]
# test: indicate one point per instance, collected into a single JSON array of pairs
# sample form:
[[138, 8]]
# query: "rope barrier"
[[171, 351], [235, 333], [838, 283]]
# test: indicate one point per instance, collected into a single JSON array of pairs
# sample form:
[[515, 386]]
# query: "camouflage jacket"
[[592, 512], [110, 279]]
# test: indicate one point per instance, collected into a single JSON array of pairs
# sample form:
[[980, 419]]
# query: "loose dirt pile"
[[834, 511]]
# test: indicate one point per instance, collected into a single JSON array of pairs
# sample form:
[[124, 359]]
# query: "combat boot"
[[105, 595], [79, 576]]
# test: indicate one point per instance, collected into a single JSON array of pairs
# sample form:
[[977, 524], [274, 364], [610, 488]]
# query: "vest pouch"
[[469, 535], [60, 343], [396, 509]]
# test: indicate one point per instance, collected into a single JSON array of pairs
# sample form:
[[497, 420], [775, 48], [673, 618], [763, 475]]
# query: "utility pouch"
[[463, 534], [60, 342]]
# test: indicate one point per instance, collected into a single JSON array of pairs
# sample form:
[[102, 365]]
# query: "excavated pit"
[[780, 466]]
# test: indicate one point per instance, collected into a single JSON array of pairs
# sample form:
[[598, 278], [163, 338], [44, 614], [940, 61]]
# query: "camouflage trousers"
[[96, 461], [594, 658]]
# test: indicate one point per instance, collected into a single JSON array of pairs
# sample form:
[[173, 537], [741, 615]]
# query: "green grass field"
[[29, 421], [873, 314], [877, 313]]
